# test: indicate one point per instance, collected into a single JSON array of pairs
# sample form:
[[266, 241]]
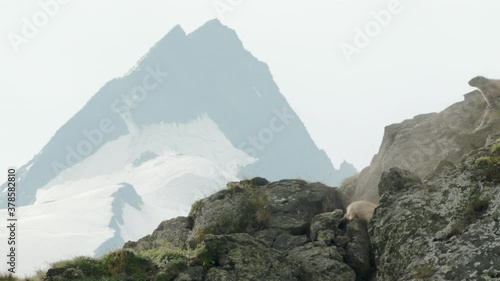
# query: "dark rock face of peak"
[[182, 77]]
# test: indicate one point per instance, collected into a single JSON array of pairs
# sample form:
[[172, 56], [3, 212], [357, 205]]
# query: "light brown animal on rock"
[[362, 210]]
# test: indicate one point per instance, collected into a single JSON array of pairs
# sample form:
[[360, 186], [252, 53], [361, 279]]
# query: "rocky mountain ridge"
[[443, 227], [421, 143], [253, 230]]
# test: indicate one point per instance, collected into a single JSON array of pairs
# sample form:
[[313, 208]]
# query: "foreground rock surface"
[[446, 227], [253, 230]]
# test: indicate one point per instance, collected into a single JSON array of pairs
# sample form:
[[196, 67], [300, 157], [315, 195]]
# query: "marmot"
[[362, 210], [490, 89]]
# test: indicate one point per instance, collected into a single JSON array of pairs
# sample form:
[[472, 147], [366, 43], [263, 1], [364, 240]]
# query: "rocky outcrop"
[[317, 261], [284, 207], [242, 257], [358, 250], [421, 143], [174, 232], [444, 227], [253, 230]]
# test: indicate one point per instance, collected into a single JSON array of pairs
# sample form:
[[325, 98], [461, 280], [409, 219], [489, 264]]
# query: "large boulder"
[[358, 250], [172, 233], [317, 261], [286, 206], [252, 230], [242, 257], [293, 204], [240, 208], [326, 222], [352, 243], [445, 228]]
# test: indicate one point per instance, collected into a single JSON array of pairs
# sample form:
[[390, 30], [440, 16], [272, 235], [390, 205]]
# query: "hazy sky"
[[418, 60]]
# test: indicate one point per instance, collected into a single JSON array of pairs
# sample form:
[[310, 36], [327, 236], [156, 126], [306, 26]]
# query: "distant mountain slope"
[[110, 197], [181, 77], [196, 112]]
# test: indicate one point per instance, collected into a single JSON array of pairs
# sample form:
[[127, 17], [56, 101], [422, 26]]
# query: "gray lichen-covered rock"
[[268, 236], [194, 273], [216, 274], [325, 222], [242, 257], [317, 261], [287, 206], [358, 254], [173, 232], [279, 239], [353, 244], [252, 230], [396, 180], [446, 228], [229, 211], [293, 204], [287, 241]]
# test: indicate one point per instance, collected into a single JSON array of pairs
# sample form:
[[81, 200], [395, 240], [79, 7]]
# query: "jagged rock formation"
[[419, 144], [489, 88], [446, 227], [285, 230]]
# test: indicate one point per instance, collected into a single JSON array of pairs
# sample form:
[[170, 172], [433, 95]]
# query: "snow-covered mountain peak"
[[197, 111]]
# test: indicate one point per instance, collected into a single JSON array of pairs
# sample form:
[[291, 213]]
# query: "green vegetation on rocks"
[[195, 207], [249, 210], [254, 230], [488, 165], [113, 266]]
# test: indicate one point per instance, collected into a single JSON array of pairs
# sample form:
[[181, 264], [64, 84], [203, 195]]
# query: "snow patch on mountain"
[[77, 212]]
